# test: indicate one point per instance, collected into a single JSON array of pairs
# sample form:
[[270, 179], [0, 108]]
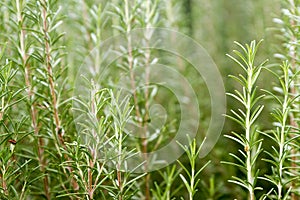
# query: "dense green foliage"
[[82, 115]]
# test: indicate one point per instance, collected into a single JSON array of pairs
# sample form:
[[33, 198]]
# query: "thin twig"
[[58, 129]]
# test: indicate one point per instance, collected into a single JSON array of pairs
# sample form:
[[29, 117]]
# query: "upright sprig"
[[282, 135], [52, 59], [23, 23], [127, 16], [142, 14], [193, 179], [289, 30], [120, 111], [163, 190], [246, 117], [148, 20], [89, 161]]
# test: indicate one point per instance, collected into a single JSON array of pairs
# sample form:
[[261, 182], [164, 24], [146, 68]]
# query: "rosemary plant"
[[289, 30], [282, 135], [252, 145], [120, 111], [193, 175], [163, 190]]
